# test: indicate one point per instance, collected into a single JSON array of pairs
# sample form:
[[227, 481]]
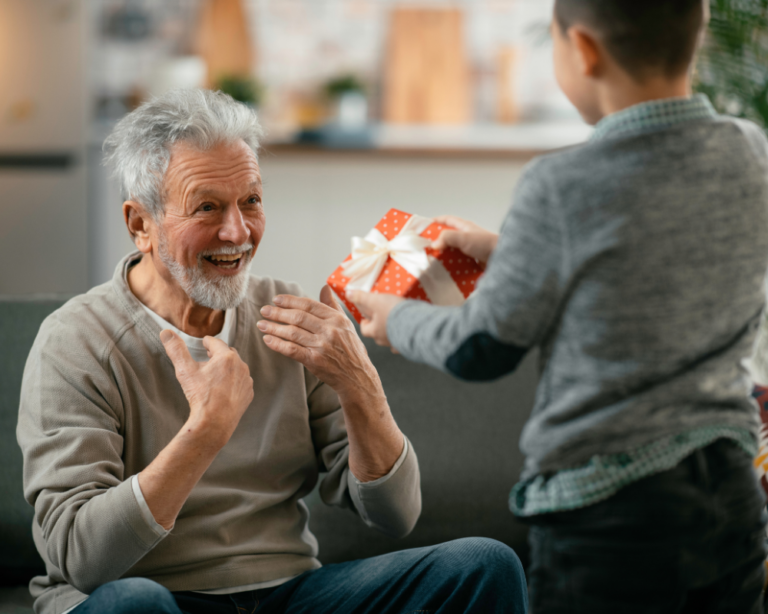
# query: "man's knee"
[[131, 596], [484, 573], [483, 554]]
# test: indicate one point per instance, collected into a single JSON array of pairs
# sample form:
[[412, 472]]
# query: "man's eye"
[[254, 200], [206, 207]]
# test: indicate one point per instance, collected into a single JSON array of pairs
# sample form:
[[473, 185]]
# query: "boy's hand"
[[375, 310], [469, 238]]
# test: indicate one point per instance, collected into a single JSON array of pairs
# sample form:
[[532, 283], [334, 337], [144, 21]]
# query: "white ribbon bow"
[[370, 254]]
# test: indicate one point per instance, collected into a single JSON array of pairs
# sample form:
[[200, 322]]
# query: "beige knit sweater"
[[100, 400]]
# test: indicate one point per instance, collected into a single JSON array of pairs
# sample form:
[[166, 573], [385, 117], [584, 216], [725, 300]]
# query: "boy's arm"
[[515, 303]]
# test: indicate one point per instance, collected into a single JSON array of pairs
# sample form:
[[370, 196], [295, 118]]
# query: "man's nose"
[[233, 228]]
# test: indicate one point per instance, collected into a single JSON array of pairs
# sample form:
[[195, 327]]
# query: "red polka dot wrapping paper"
[[394, 279], [760, 394]]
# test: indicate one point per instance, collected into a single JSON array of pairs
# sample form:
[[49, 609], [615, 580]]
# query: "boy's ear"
[[138, 222], [588, 51]]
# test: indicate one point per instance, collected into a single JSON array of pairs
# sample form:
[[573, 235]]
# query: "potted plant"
[[733, 66], [247, 90], [347, 94]]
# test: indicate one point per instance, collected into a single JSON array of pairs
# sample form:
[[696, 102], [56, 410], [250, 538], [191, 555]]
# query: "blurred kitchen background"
[[430, 107]]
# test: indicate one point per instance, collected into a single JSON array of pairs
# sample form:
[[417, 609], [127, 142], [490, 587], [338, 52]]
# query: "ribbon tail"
[[440, 287]]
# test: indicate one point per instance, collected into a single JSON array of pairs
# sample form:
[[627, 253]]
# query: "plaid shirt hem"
[[603, 476]]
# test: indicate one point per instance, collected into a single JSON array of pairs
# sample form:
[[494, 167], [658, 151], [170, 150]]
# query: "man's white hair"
[[139, 147]]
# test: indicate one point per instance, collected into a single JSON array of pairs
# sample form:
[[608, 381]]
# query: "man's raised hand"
[[219, 391], [468, 237], [321, 337]]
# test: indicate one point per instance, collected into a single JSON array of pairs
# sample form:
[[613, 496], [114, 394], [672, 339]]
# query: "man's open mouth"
[[226, 261]]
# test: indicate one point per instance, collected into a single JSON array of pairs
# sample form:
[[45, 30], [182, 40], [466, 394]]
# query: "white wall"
[[315, 203]]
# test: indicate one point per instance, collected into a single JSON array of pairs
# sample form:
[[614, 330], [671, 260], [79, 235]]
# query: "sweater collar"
[[138, 313], [655, 115]]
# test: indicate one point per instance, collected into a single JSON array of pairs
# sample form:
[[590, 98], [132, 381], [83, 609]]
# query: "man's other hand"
[[319, 335], [219, 391], [375, 309], [468, 238]]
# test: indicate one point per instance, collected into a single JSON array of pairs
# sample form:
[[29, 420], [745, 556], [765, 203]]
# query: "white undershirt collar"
[[195, 344]]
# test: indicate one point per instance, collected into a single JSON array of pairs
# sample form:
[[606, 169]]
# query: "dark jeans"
[[463, 576], [688, 540]]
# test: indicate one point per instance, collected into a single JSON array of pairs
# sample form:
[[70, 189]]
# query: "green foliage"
[[242, 89], [343, 84], [733, 66]]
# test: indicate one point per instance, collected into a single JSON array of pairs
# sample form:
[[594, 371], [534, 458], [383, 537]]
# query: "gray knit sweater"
[[100, 400], [636, 264]]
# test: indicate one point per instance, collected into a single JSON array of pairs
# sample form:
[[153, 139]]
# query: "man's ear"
[[138, 222], [588, 51]]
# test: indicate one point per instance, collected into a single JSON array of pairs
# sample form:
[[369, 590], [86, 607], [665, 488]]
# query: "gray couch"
[[465, 436]]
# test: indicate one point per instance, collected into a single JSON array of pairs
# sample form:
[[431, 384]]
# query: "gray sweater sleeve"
[[391, 504], [515, 302], [73, 471]]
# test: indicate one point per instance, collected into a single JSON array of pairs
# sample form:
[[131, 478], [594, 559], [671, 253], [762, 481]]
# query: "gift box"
[[396, 258]]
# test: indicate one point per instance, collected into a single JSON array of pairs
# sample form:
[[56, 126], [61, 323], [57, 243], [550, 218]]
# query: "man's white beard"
[[221, 292]]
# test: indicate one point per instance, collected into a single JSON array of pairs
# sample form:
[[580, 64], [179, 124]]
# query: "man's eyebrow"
[[204, 191], [213, 192]]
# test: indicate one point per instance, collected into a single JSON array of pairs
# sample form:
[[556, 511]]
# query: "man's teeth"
[[227, 257]]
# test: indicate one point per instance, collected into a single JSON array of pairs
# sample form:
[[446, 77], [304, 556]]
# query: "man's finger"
[[176, 349], [327, 298], [287, 348], [302, 303], [296, 317], [294, 334]]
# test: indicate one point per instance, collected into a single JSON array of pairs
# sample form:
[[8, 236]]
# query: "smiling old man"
[[173, 418]]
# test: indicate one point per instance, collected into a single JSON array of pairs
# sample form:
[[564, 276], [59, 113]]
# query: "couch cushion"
[[19, 323], [466, 437]]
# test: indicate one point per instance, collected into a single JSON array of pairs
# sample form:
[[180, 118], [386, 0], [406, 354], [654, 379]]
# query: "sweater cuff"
[[392, 471], [127, 505], [146, 513], [392, 503]]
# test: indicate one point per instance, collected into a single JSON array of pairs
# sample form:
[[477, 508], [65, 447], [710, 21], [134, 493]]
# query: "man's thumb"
[[327, 298], [175, 348]]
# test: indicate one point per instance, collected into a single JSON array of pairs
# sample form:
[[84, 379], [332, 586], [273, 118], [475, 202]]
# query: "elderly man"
[[169, 433]]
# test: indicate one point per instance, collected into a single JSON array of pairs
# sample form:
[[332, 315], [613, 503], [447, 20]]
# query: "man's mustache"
[[245, 248]]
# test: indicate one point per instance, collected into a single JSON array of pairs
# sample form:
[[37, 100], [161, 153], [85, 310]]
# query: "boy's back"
[[661, 258]]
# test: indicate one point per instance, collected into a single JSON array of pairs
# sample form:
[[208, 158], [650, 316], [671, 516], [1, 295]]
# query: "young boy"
[[635, 263]]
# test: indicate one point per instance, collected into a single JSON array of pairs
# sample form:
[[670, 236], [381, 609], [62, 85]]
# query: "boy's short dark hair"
[[643, 36]]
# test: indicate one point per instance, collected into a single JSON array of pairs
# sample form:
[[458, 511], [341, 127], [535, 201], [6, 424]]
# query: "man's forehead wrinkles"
[[207, 169], [217, 184], [215, 179]]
